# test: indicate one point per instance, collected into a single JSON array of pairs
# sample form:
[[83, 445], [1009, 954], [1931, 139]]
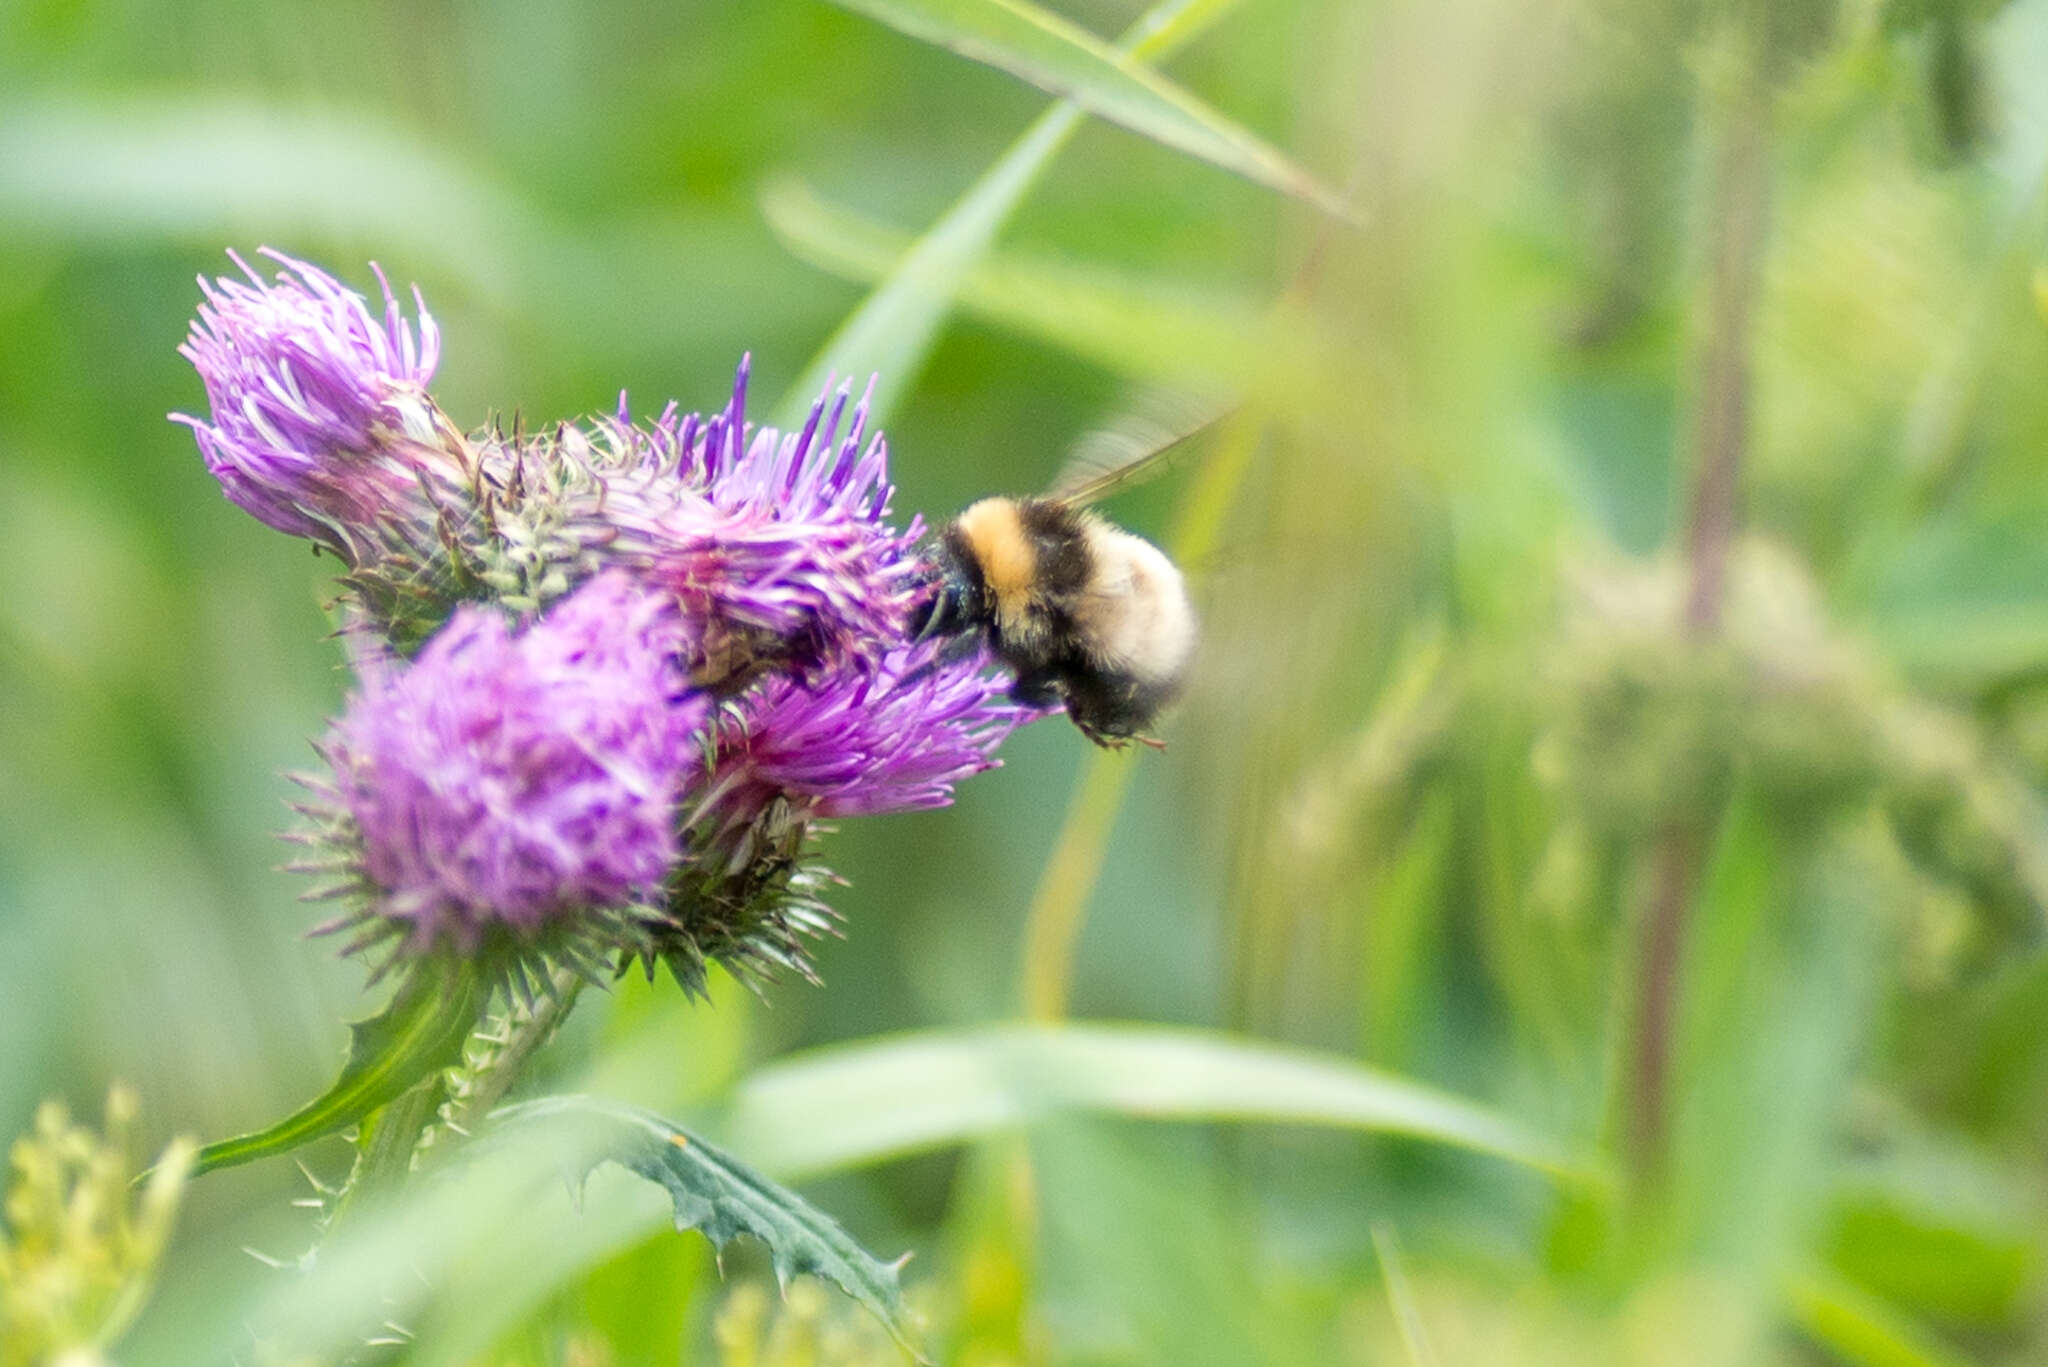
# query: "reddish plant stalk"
[[1718, 438]]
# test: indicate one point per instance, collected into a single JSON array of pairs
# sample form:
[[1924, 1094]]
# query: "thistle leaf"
[[721, 1196], [422, 1029]]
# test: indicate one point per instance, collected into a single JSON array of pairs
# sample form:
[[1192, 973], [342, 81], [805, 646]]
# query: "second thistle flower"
[[513, 787], [321, 426]]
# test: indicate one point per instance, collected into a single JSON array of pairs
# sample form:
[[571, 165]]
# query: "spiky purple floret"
[[782, 532], [510, 780], [893, 738], [313, 396]]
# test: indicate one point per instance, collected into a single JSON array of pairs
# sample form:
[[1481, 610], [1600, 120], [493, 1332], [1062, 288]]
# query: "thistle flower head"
[[775, 545], [711, 650], [862, 740], [319, 413], [895, 738], [505, 783]]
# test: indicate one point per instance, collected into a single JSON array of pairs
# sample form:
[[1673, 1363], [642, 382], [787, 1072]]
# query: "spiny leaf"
[[891, 332], [422, 1029], [721, 1196], [1057, 55]]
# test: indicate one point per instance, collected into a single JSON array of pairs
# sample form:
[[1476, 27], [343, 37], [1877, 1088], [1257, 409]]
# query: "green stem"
[[385, 1146], [396, 1137], [527, 1029]]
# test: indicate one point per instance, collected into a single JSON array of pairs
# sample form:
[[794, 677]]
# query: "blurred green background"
[[1732, 889]]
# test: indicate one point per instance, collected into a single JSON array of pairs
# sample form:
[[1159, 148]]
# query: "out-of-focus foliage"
[[78, 1250], [1727, 922]]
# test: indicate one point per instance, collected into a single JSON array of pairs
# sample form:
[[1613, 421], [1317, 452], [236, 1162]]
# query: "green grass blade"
[[213, 170], [422, 1029], [1401, 1297], [1056, 55], [1137, 328], [861, 1103], [1861, 1330], [892, 330]]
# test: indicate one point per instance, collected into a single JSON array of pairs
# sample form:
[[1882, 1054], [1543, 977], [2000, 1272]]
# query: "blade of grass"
[[892, 330], [1401, 1297], [1134, 328], [1860, 1329], [861, 1103], [1059, 56]]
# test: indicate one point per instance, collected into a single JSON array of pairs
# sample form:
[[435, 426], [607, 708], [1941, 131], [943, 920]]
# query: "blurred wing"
[[1134, 448]]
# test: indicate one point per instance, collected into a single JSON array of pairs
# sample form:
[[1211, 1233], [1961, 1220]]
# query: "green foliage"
[[420, 1031], [721, 1196], [893, 330], [858, 1103], [1067, 60], [1459, 741]]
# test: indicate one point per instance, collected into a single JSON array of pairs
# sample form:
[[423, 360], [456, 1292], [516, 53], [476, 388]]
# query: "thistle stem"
[[530, 1028], [385, 1146], [395, 1137]]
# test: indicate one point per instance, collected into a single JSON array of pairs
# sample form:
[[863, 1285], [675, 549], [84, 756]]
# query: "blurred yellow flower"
[[78, 1248]]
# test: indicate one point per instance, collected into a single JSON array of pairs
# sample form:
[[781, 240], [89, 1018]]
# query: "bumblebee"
[[1082, 612]]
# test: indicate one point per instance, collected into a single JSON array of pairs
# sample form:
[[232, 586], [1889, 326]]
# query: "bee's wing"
[[1133, 449]]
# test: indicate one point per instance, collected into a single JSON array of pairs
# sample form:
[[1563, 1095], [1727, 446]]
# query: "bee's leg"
[[1037, 688]]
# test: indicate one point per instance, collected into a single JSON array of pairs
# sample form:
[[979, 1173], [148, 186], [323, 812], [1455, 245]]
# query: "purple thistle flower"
[[321, 423], [508, 782], [777, 543], [713, 654], [776, 546], [895, 738], [863, 740]]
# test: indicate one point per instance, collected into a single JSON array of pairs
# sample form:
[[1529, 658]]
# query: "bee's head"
[[950, 600]]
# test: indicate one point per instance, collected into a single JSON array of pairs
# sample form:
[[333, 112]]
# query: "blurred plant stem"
[[1735, 115], [1401, 1296], [385, 1144], [1052, 927], [1059, 907]]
